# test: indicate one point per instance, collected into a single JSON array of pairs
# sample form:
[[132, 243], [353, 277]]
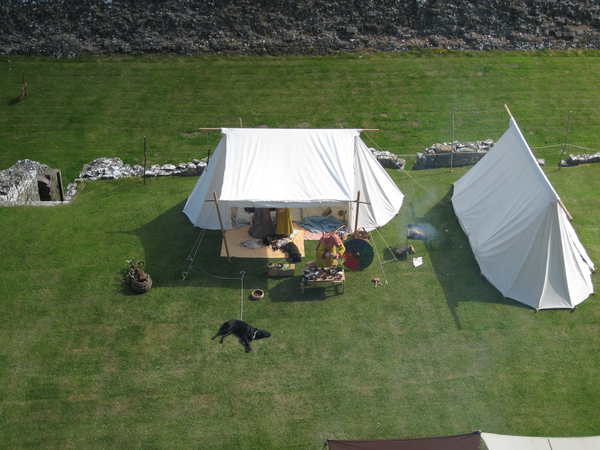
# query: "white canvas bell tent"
[[519, 230], [294, 168]]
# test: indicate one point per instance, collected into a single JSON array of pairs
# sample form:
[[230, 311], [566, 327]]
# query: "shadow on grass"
[[454, 264], [168, 241], [289, 290]]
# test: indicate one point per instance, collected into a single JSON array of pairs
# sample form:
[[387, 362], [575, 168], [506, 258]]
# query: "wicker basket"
[[141, 286], [361, 233]]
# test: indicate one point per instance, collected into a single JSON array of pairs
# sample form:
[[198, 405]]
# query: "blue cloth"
[[321, 224]]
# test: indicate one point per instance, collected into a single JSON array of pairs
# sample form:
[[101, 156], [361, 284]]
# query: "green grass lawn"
[[85, 363]]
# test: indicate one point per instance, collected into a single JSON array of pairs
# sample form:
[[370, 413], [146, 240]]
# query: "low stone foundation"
[[114, 168], [456, 154], [388, 160], [575, 160]]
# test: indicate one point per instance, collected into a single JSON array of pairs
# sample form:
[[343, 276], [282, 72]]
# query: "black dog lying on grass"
[[244, 331]]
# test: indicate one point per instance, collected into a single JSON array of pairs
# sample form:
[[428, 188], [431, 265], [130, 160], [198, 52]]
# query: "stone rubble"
[[66, 29], [464, 154], [444, 155], [575, 160], [114, 169], [19, 183], [388, 159]]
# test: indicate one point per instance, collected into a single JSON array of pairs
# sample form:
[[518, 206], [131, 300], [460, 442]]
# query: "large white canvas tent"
[[294, 168], [507, 442], [519, 230]]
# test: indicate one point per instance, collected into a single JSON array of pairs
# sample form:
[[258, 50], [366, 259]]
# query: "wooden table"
[[336, 281]]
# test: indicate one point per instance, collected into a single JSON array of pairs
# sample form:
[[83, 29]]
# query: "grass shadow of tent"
[[168, 241], [454, 264]]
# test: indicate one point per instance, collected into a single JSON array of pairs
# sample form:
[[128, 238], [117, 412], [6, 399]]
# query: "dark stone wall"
[[67, 28]]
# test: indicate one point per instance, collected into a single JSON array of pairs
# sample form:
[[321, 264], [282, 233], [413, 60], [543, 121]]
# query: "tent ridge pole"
[[508, 111]]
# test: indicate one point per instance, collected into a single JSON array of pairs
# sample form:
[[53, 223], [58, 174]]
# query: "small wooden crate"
[[286, 271]]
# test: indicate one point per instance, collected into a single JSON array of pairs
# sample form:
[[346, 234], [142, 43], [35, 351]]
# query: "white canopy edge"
[[508, 442]]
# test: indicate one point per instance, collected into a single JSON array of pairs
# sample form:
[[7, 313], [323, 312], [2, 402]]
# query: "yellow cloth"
[[284, 222], [329, 261]]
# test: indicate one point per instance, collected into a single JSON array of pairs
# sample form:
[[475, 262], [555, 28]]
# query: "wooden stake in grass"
[[566, 140], [144, 161], [452, 147], [23, 95]]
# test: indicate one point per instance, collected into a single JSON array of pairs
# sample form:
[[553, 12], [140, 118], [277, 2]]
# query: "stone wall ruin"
[[32, 183], [452, 154]]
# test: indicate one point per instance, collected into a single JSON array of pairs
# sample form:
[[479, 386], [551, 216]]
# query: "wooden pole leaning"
[[566, 140], [570, 217], [222, 229], [508, 111]]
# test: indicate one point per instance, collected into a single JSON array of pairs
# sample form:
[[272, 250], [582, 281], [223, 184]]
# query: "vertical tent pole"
[[452, 148], [508, 111], [221, 223], [356, 220], [566, 139]]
